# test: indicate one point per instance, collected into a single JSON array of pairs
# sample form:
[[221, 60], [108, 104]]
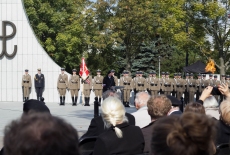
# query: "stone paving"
[[79, 116]]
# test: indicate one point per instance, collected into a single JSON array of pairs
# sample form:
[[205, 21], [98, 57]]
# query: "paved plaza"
[[79, 116]]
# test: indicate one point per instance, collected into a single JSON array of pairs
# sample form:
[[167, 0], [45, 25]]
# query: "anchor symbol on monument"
[[4, 38]]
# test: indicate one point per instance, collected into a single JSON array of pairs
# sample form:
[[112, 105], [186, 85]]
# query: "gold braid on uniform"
[[35, 78]]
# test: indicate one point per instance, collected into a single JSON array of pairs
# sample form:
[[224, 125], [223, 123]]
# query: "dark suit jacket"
[[176, 113], [97, 127], [147, 133], [39, 81], [132, 141], [223, 133], [109, 82]]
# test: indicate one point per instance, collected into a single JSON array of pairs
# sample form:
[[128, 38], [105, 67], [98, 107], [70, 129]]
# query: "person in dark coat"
[[158, 106], [39, 84], [108, 81], [175, 110], [120, 138]]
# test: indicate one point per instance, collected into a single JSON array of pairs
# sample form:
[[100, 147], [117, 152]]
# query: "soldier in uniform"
[[180, 87], [204, 82], [162, 81], [115, 77], [62, 85], [174, 87], [87, 84], [26, 85], [186, 90], [153, 84], [134, 83], [198, 86], [222, 81], [167, 84], [140, 83], [74, 86], [97, 85], [192, 88], [39, 83], [126, 81], [210, 80]]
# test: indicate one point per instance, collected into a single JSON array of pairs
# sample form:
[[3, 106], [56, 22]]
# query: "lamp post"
[[159, 58]]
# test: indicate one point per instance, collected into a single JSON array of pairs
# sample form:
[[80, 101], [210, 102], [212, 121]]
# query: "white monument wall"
[[30, 55]]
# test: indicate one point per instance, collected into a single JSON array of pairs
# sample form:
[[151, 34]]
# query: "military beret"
[[98, 70], [210, 75], [167, 73], [62, 69], [204, 75], [191, 74], [187, 74], [39, 69], [35, 106], [26, 70], [175, 101], [74, 70], [163, 73], [215, 76]]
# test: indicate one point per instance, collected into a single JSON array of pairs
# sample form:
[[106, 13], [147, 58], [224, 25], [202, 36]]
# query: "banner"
[[84, 72]]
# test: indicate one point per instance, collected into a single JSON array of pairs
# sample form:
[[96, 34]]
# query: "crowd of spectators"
[[158, 127]]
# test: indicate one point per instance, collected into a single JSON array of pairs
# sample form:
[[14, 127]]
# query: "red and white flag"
[[84, 72]]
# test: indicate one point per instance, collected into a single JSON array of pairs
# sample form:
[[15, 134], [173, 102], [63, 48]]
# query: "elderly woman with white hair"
[[121, 138]]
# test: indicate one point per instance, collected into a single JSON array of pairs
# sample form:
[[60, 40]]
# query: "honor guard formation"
[[183, 89]]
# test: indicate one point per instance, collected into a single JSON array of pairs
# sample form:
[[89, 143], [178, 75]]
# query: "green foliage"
[[59, 26]]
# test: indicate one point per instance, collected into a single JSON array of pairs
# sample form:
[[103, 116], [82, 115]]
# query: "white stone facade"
[[30, 55]]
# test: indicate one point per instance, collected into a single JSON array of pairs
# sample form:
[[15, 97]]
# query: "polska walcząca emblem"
[[4, 38]]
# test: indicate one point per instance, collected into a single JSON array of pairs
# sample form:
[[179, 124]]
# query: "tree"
[[59, 26]]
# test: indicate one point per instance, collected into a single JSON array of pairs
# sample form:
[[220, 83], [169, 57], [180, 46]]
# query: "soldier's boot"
[[75, 102], [60, 100], [99, 103], [27, 98], [124, 103], [127, 104], [87, 101], [63, 100], [24, 99]]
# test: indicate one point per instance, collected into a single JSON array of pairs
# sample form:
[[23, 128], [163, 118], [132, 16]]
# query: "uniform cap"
[[175, 74], [223, 75], [98, 70], [152, 72], [187, 74], [163, 73], [227, 76], [140, 72], [113, 71], [26, 70], [210, 75], [204, 75], [39, 69], [179, 74], [62, 69], [199, 74], [74, 70], [126, 72], [191, 74], [215, 76], [167, 73]]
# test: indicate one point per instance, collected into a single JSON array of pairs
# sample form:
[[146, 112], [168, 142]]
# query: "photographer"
[[223, 130]]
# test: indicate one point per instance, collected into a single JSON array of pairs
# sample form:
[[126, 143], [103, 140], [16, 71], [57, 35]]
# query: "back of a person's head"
[[40, 134], [35, 106], [108, 93], [142, 98], [158, 106], [225, 111], [195, 107], [188, 134], [113, 113]]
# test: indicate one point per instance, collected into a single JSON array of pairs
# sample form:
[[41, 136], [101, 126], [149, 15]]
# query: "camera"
[[215, 91]]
